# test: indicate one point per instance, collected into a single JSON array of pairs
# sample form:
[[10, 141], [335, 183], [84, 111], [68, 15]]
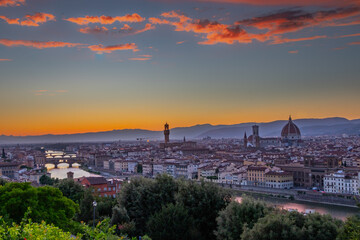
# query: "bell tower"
[[256, 137], [3, 155], [167, 133], [245, 140]]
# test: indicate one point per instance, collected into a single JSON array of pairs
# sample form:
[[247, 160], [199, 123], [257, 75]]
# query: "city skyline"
[[85, 66]]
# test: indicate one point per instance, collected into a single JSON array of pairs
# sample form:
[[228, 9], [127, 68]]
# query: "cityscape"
[[179, 120]]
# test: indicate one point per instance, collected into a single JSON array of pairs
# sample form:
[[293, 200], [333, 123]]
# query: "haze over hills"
[[308, 127]]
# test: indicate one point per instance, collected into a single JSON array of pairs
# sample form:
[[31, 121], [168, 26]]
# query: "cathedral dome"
[[290, 130]]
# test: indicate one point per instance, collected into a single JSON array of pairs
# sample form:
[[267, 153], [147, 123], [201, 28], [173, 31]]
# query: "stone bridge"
[[70, 161]]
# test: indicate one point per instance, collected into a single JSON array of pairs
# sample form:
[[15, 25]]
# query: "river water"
[[340, 212], [63, 169]]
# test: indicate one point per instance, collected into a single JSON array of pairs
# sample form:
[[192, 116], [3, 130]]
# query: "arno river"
[[62, 170], [340, 212]]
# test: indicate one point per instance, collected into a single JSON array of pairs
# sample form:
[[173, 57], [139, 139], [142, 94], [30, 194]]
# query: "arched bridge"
[[70, 161]]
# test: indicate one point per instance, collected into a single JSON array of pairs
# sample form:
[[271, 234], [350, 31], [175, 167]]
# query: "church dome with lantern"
[[290, 130], [290, 134]]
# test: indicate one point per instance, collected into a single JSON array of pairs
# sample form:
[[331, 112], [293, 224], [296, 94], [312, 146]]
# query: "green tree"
[[275, 225], [3, 182], [232, 219], [203, 201], [86, 206], [143, 197], [320, 227], [105, 206], [33, 231], [46, 203], [119, 216], [351, 229], [71, 189], [46, 180], [171, 222]]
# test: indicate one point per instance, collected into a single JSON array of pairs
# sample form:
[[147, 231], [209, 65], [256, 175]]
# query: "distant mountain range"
[[308, 127]]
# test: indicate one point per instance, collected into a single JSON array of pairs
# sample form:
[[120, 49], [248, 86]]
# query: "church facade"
[[290, 137]]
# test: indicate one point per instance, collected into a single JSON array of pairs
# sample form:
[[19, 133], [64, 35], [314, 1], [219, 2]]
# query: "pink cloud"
[[11, 3], [108, 49], [37, 44], [106, 19], [30, 20]]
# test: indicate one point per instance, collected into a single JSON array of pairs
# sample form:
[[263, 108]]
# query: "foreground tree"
[[86, 207], [33, 231], [46, 203], [143, 197], [235, 216], [3, 182], [351, 229], [273, 226], [171, 222], [105, 206], [284, 225], [203, 201], [46, 180], [320, 227], [71, 189]]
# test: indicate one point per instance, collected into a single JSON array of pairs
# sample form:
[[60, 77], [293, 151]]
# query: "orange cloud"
[[294, 51], [5, 60], [147, 27], [349, 35], [11, 20], [159, 21], [289, 3], [108, 49], [267, 28], [34, 20], [44, 92], [212, 31], [279, 2], [125, 29], [11, 3], [37, 44], [296, 20], [30, 20], [279, 40], [180, 42], [139, 59], [354, 43], [106, 19], [93, 30]]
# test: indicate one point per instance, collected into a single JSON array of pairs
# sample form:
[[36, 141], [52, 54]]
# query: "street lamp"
[[94, 205]]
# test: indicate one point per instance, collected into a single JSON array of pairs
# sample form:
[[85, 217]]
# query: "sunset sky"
[[69, 66]]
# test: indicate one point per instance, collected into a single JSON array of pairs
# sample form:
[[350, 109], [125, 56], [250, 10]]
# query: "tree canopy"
[[143, 197], [46, 203], [71, 189], [171, 222], [283, 225], [235, 216]]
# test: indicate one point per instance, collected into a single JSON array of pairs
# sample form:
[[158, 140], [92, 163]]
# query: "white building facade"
[[342, 183]]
